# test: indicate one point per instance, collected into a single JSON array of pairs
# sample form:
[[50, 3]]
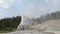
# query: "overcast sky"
[[30, 8]]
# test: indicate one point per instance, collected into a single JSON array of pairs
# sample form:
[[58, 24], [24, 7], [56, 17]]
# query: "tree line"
[[50, 16], [9, 23]]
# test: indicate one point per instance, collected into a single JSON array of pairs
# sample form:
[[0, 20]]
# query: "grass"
[[7, 31]]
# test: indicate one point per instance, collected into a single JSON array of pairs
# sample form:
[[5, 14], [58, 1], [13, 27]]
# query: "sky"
[[29, 8]]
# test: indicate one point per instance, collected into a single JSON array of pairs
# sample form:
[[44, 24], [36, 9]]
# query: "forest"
[[9, 23]]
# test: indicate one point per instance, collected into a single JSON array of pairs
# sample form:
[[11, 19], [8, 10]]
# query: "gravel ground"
[[31, 32]]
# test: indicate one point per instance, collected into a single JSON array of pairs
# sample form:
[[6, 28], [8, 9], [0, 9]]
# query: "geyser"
[[25, 22], [28, 24]]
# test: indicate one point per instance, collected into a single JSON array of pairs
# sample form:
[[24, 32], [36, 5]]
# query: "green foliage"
[[10, 23]]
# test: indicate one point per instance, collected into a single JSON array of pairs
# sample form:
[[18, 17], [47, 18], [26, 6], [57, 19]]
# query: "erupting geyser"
[[24, 22], [30, 24]]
